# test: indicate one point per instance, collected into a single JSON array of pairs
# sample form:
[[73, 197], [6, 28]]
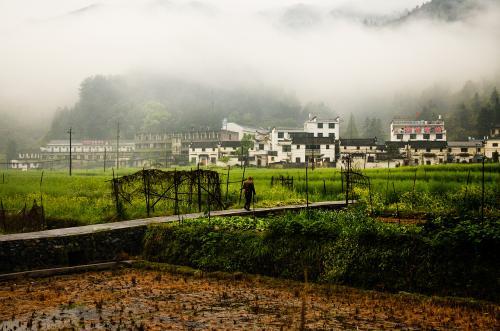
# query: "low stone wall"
[[101, 242], [38, 253]]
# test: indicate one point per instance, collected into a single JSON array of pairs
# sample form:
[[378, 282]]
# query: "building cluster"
[[318, 142]]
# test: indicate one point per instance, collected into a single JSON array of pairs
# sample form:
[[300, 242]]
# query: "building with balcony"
[[88, 153], [315, 141], [174, 147], [363, 152], [404, 130], [492, 144], [465, 151], [421, 152], [27, 160]]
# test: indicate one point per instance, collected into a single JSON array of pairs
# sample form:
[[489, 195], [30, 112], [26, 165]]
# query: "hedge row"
[[446, 257]]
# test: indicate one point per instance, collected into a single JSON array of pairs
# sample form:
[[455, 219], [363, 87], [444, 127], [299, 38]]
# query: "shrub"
[[447, 256]]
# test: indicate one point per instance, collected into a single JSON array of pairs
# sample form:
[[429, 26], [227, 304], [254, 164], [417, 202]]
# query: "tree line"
[[153, 104]]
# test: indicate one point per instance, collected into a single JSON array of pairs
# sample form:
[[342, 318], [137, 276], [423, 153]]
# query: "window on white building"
[[331, 125], [320, 125]]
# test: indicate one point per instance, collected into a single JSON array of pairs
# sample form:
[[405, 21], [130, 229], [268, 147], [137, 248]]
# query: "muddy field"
[[152, 300]]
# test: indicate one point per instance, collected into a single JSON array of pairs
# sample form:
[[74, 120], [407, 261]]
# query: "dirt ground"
[[127, 299]]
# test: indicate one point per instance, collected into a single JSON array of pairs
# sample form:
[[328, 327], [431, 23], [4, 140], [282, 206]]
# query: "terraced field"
[[153, 300]]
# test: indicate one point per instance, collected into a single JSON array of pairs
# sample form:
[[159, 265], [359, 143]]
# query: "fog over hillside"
[[356, 56]]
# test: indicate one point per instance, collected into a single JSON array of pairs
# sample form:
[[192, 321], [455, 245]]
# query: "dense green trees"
[[474, 117], [163, 104], [11, 150], [373, 128], [351, 130]]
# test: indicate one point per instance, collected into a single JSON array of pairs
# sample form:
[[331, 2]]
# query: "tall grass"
[[85, 197]]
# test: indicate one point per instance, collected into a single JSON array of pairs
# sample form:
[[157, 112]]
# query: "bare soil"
[[157, 300]]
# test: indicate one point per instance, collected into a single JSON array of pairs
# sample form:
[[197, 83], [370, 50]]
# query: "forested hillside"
[[164, 104], [159, 105], [446, 10]]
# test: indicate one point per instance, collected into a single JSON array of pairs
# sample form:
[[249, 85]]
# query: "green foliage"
[[11, 150], [446, 256], [86, 196], [352, 130], [156, 117], [158, 104], [246, 144], [373, 128], [446, 10]]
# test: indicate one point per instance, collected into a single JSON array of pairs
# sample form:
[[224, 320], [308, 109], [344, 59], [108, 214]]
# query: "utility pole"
[[307, 184], [118, 146], [166, 153], [70, 150], [482, 191]]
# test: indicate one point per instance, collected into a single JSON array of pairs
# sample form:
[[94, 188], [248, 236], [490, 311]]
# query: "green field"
[[85, 197]]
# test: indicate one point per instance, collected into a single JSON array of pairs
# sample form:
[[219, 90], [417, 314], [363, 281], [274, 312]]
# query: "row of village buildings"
[[318, 142]]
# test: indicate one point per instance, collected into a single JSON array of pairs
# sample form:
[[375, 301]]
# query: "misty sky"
[[48, 47]]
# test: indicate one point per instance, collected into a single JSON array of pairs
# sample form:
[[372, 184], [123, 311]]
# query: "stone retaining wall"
[[101, 242], [30, 254]]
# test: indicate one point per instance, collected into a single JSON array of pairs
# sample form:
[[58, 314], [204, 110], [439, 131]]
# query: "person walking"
[[249, 188]]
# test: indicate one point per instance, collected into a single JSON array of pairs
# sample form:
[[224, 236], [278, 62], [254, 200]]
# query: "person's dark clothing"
[[249, 193]]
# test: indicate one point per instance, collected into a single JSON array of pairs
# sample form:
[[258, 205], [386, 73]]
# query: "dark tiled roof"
[[358, 142], [417, 144], [301, 134], [468, 143], [230, 143], [204, 144], [427, 144], [398, 144], [305, 140]]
